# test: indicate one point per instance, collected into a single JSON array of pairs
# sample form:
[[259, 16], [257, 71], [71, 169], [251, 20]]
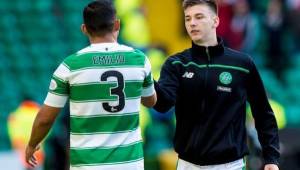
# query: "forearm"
[[268, 135], [167, 86], [149, 101], [265, 122], [39, 131], [266, 126], [164, 103], [42, 124]]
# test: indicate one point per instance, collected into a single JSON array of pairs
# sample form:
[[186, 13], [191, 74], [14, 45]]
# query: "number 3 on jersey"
[[118, 90]]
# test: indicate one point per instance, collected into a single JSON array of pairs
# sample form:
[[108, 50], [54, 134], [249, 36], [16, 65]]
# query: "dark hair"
[[211, 3], [99, 17]]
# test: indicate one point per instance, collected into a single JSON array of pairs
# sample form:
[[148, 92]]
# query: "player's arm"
[[166, 87], [149, 101], [41, 126], [265, 122], [148, 97], [55, 100]]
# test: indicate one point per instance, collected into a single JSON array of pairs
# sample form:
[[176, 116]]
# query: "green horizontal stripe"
[[102, 91], [101, 133], [64, 95], [57, 78], [105, 60], [212, 66], [62, 86], [104, 124], [189, 64], [126, 153], [116, 164], [148, 81], [229, 67], [104, 115]]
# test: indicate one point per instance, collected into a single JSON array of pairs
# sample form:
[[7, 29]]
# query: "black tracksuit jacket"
[[209, 87]]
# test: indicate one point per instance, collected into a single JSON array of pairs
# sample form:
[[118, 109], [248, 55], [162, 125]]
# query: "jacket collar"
[[201, 51]]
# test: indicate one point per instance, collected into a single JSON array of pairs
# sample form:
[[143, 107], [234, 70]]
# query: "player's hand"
[[271, 167], [29, 157]]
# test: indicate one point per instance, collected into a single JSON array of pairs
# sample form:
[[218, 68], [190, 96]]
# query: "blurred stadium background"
[[36, 35]]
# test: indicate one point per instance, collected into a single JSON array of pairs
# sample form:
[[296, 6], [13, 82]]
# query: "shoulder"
[[69, 59], [235, 53], [75, 55], [131, 51], [238, 59], [139, 52], [238, 56], [113, 47], [179, 57]]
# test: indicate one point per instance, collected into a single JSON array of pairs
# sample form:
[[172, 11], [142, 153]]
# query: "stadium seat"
[[70, 5], [18, 55], [11, 37], [58, 51], [4, 61], [7, 21], [21, 6], [5, 6], [42, 5]]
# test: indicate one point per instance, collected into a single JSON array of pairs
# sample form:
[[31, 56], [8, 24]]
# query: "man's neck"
[[211, 42], [102, 39]]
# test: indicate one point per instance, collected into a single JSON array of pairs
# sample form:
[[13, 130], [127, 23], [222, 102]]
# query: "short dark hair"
[[211, 3], [99, 17]]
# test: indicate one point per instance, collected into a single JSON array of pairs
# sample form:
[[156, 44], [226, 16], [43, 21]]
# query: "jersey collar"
[[213, 51]]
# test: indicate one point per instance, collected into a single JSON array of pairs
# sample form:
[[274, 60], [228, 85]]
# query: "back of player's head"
[[99, 17], [212, 4]]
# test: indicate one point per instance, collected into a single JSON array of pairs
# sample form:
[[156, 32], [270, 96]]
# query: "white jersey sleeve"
[[148, 85], [59, 87]]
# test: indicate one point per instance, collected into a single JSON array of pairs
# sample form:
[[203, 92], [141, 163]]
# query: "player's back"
[[105, 84]]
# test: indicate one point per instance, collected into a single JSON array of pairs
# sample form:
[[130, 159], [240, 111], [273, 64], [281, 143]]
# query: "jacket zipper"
[[193, 142], [205, 81], [208, 55]]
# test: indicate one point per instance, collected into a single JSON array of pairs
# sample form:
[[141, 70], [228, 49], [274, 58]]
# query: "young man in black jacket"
[[209, 85]]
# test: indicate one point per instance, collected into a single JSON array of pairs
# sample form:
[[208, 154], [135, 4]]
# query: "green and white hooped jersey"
[[104, 84]]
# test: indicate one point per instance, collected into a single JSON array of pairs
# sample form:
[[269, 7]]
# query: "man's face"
[[200, 22]]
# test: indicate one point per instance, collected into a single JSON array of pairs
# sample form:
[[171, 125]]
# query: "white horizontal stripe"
[[136, 165], [94, 75], [147, 66], [62, 72], [55, 100], [96, 108], [105, 140], [148, 91]]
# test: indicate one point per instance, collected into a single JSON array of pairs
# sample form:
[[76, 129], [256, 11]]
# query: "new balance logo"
[[188, 75]]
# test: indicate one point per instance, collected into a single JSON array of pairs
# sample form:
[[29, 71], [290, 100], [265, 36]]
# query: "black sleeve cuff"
[[162, 105], [270, 161]]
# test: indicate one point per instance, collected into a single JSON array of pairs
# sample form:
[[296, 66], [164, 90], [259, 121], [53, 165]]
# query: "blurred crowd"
[[268, 30]]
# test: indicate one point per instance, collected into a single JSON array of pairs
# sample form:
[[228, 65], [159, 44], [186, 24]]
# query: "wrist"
[[274, 162], [32, 145]]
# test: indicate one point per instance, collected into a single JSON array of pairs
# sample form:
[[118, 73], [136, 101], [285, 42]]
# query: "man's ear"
[[116, 29], [216, 21], [84, 30], [117, 25]]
